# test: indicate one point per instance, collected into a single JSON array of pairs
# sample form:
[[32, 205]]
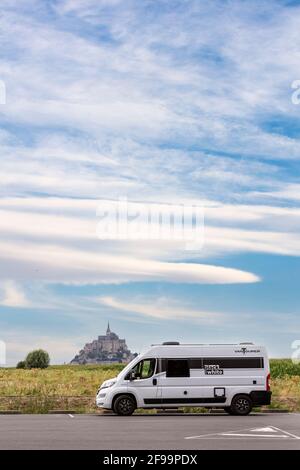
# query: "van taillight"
[[268, 382]]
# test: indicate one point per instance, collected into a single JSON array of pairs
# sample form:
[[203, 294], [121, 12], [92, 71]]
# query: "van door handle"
[[154, 381]]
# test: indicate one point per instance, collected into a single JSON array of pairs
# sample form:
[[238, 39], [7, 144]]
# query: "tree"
[[38, 359], [21, 365]]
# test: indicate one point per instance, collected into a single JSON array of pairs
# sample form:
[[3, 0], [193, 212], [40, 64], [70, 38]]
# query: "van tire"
[[241, 405], [124, 405]]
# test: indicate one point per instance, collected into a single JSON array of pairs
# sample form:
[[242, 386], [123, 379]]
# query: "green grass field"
[[73, 387]]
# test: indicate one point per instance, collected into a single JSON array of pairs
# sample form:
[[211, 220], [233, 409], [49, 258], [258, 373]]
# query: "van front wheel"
[[241, 405], [124, 405]]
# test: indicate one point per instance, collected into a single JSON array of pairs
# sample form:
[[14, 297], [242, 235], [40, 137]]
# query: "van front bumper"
[[261, 397], [100, 402], [104, 399]]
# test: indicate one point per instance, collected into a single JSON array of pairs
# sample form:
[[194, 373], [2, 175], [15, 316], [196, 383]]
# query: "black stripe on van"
[[173, 401], [222, 362], [235, 362]]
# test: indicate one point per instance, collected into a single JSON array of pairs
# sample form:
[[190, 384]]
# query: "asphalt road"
[[256, 431]]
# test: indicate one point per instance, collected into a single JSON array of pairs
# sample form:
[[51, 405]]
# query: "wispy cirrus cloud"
[[141, 98], [162, 308], [288, 192], [61, 264], [72, 224], [130, 80]]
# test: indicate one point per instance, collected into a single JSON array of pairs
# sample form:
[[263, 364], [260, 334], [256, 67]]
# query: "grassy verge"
[[56, 388], [285, 384], [73, 388]]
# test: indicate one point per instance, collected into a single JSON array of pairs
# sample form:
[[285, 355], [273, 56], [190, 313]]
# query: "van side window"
[[178, 368], [144, 369]]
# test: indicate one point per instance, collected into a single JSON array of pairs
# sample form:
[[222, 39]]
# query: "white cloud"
[[54, 240], [146, 83], [157, 78], [290, 191], [12, 295], [61, 264], [72, 224]]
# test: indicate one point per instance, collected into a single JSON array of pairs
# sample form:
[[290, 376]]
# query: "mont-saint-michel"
[[105, 349]]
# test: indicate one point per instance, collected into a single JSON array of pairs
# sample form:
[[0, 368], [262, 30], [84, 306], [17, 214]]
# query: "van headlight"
[[107, 384]]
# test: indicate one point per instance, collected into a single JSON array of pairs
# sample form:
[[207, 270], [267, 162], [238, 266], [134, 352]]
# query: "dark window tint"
[[178, 368], [222, 362], [234, 362], [161, 365], [196, 363]]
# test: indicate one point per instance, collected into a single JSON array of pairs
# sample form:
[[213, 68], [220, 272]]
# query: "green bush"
[[38, 359], [21, 365]]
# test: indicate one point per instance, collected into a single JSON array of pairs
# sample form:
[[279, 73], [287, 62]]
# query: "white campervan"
[[171, 375]]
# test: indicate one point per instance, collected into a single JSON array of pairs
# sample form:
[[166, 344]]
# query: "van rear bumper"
[[261, 397]]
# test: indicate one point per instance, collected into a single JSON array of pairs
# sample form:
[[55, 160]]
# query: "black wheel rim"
[[125, 405], [242, 405]]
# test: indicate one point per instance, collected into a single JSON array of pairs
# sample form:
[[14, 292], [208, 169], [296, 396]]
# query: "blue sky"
[[182, 103]]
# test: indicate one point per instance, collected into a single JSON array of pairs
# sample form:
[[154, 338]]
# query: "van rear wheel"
[[124, 405], [241, 405]]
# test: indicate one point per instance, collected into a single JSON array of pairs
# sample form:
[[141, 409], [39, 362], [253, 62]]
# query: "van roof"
[[195, 350]]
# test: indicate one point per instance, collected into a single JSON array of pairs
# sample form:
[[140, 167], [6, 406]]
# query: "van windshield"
[[129, 366]]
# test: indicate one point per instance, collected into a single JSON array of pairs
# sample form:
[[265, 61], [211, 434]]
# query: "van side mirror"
[[132, 376]]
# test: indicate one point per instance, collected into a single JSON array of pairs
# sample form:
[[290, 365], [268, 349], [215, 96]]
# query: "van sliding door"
[[182, 382]]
